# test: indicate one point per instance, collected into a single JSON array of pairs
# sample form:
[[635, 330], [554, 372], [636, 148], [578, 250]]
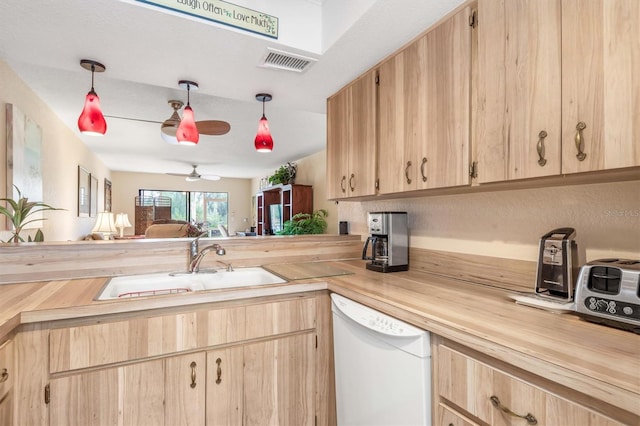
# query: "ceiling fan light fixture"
[[187, 133], [91, 120], [169, 127], [263, 141]]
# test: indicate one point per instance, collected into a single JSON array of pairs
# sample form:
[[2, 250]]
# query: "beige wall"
[[125, 186], [509, 224], [62, 152], [312, 170], [506, 224]]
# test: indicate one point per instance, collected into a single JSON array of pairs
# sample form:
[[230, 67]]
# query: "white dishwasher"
[[382, 366]]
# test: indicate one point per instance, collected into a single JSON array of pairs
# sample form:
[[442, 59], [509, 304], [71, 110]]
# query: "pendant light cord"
[[263, 101], [93, 70], [188, 97]]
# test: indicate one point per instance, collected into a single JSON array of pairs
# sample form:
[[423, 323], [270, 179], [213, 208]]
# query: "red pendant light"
[[91, 120], [187, 133], [264, 141]]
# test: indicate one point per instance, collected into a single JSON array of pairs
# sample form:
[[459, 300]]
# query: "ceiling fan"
[[194, 175], [169, 127]]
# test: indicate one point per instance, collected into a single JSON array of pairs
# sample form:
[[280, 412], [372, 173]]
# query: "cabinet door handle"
[[580, 141], [4, 376], [193, 374], [540, 147], [406, 172], [219, 371], [352, 184], [343, 183], [422, 166], [495, 401]]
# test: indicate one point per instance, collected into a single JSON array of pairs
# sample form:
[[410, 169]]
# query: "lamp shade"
[[122, 221], [105, 224], [169, 128], [187, 133], [91, 120], [264, 141]]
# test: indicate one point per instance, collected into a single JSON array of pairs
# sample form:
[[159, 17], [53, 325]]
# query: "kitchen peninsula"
[[558, 355]]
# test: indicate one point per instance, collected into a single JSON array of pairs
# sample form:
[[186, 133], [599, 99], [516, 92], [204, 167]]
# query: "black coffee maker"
[[387, 247], [557, 264]]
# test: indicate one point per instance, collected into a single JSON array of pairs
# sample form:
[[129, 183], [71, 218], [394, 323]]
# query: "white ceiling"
[[147, 50]]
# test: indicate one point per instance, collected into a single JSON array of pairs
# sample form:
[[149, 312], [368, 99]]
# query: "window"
[[207, 210]]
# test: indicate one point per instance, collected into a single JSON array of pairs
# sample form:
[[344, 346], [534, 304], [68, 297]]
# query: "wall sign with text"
[[223, 13]]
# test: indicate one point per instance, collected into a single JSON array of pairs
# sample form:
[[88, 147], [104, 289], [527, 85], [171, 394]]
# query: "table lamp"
[[122, 221], [105, 225]]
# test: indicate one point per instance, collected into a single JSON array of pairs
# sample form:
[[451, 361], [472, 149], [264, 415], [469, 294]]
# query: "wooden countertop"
[[593, 359]]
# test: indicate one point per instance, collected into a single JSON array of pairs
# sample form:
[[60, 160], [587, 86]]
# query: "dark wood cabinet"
[[288, 200]]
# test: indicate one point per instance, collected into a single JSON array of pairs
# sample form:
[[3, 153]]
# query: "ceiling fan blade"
[[132, 119], [177, 174], [213, 127]]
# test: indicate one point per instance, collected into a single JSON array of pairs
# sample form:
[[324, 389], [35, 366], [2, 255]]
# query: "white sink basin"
[[163, 283]]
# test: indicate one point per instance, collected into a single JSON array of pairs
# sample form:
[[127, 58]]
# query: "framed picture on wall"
[[93, 204], [24, 162], [107, 195], [84, 190]]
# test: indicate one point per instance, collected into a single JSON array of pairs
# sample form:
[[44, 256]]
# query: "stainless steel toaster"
[[608, 292]]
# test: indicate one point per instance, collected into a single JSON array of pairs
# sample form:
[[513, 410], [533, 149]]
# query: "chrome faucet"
[[196, 255]]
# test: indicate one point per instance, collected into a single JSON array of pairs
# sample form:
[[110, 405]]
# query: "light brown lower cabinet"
[[253, 363], [279, 382], [469, 387], [225, 388], [261, 384], [160, 392], [128, 395], [449, 417], [7, 373]]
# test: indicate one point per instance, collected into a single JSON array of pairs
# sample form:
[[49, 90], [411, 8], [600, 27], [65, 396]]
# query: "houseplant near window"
[[19, 212], [305, 223]]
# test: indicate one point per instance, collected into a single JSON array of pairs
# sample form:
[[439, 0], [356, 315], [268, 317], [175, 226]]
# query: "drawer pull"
[[580, 141], [343, 183], [495, 401], [4, 376], [219, 371], [406, 172], [193, 374], [540, 148], [352, 185]]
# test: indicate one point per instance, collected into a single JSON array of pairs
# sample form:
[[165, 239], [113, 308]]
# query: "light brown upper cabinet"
[[517, 125], [351, 139], [600, 84], [424, 110], [557, 87]]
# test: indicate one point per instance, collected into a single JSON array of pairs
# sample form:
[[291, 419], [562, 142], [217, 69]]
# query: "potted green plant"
[[284, 174], [19, 212], [306, 223]]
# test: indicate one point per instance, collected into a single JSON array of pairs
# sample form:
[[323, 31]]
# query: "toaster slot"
[[605, 280]]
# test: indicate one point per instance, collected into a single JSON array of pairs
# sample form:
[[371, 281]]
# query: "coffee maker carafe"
[[387, 246], [557, 264]]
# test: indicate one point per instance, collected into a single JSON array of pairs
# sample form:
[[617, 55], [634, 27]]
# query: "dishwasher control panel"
[[375, 320]]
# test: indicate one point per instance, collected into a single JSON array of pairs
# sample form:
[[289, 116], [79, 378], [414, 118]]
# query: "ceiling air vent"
[[281, 60]]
